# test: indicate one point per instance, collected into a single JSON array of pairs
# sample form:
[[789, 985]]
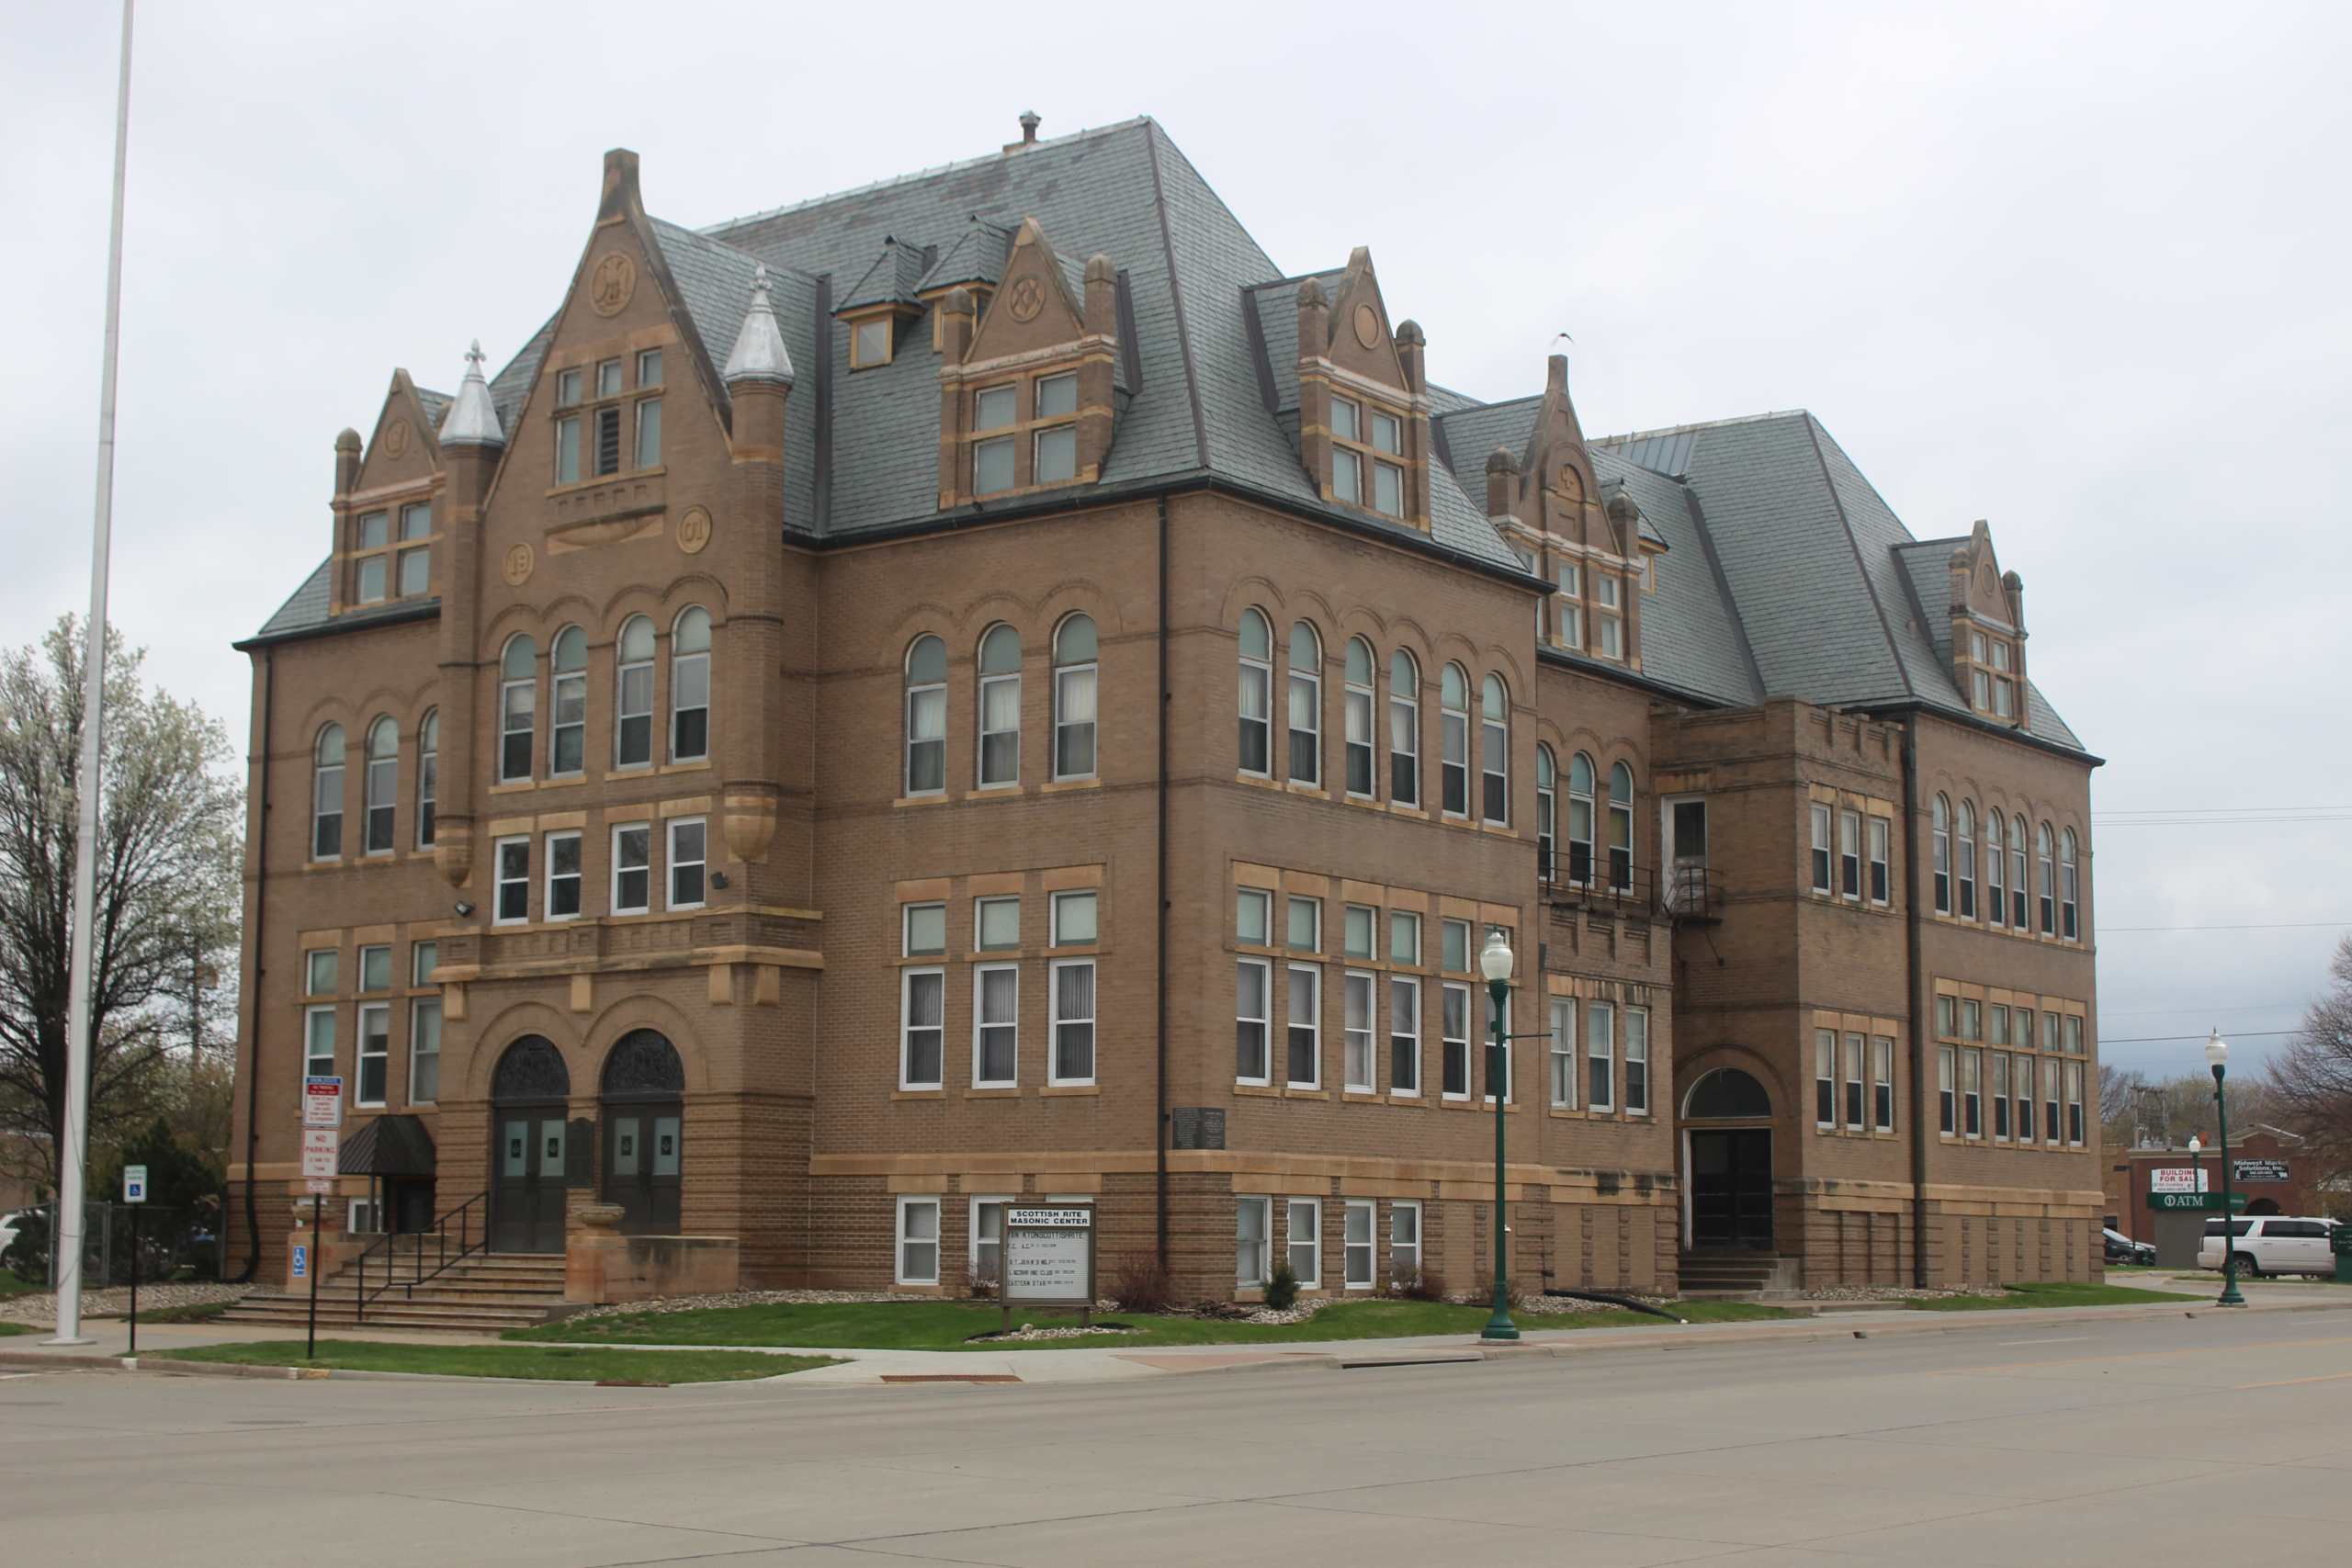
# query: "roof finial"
[[473, 420], [760, 353]]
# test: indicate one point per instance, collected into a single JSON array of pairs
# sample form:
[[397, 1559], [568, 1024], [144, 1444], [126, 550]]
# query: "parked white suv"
[[2271, 1244]]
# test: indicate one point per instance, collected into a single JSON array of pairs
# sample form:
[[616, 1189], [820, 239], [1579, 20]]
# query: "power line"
[[2165, 1039], [2287, 926], [2218, 821]]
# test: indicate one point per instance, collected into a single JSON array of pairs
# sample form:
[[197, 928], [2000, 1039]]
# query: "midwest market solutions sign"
[[1049, 1258]]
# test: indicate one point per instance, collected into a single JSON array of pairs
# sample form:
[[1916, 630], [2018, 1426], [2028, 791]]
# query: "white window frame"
[[1564, 1053], [988, 685], [1881, 878], [1634, 1026], [501, 882], [644, 868], [1358, 707], [1494, 744], [625, 671], [1824, 874], [1292, 903], [1091, 670], [2074, 1126], [1358, 1066], [1405, 919], [1262, 1022], [1972, 1094], [674, 861], [419, 1052], [549, 875], [1370, 951], [1404, 1034], [980, 906], [1354, 1253], [1312, 1247], [1255, 683], [1854, 1108], [928, 700], [381, 1013], [1303, 698], [981, 1023], [1405, 722], [900, 1255], [1882, 1083], [1600, 1032], [1447, 991], [687, 670], [2053, 1095], [907, 916], [1398, 1208], [1069, 900], [1055, 1075], [975, 1235], [1312, 1027], [1250, 1274], [1244, 897], [1947, 1091], [428, 777], [316, 1063], [1825, 1079], [380, 954], [1849, 854], [908, 1028]]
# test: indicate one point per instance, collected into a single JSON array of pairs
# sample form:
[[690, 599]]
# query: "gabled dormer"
[[973, 262], [1026, 382], [877, 306], [1362, 397], [1988, 631], [386, 519]]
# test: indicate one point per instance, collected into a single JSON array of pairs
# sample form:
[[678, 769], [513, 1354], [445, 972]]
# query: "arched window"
[[1996, 903], [1964, 858], [518, 707], [1359, 701], [1305, 710], [383, 782], [1580, 820], [1727, 1094], [1257, 692], [2017, 892], [1621, 827], [1404, 729], [633, 696], [1454, 741], [2046, 879], [1495, 748], [926, 716], [1943, 855], [1000, 707], [690, 685], [1546, 813], [428, 775], [326, 795], [568, 681], [2069, 887], [1074, 698]]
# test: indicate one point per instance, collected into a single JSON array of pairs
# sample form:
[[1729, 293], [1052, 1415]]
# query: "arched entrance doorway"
[[644, 1132], [528, 1147], [1731, 1166]]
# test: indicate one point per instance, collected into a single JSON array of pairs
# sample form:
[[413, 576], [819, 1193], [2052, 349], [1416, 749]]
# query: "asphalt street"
[[2041, 1443]]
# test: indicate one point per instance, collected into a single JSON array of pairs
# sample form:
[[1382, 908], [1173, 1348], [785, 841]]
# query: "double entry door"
[[527, 1188], [641, 1156], [1731, 1187]]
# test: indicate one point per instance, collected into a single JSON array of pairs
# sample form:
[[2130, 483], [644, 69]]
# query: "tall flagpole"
[[73, 1149]]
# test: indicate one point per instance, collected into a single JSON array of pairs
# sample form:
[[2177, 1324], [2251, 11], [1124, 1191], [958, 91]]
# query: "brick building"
[[870, 715]]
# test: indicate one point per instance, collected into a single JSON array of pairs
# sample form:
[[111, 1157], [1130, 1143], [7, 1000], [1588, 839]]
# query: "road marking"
[[2282, 1382], [2067, 1339], [2139, 1356]]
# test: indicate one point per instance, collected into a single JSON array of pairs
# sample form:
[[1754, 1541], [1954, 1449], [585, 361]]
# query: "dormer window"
[[1607, 623], [1055, 459], [567, 388], [609, 378], [870, 342], [1572, 604], [649, 368], [996, 407], [416, 565], [373, 533], [1991, 689], [1351, 452]]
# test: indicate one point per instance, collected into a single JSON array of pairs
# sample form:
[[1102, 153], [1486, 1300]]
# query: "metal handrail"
[[387, 1244], [1692, 892], [1597, 883]]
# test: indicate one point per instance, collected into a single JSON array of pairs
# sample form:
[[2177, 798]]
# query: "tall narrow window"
[[1251, 917], [1404, 729], [2074, 1034], [1404, 1240], [1580, 812], [1637, 1025], [1053, 453], [568, 688], [2069, 889], [2075, 1102], [424, 1050], [2020, 895], [1000, 707], [2046, 880], [1494, 750], [918, 1243], [1599, 1056], [1306, 924], [567, 449], [689, 857], [1303, 1026], [1621, 827], [374, 534], [920, 1027], [1306, 1236], [633, 692], [1454, 1040], [1822, 818], [318, 1042], [926, 716], [1387, 479], [1880, 880], [1883, 1084], [564, 876], [648, 432], [609, 441], [1355, 1032], [416, 565], [383, 782], [1850, 853], [1825, 1078], [1074, 698], [1571, 606], [1257, 686], [1564, 1053], [2025, 1098], [1359, 717], [1404, 1035], [1347, 467], [1943, 855], [690, 685], [1251, 1230], [518, 708], [1944, 1090], [1403, 937], [1073, 1022], [1356, 1245], [1964, 857], [1996, 903], [326, 795], [428, 775], [1304, 714], [993, 408], [512, 857], [1454, 741], [1251, 982], [632, 868], [2049, 1071], [2001, 1095], [1606, 620], [1854, 1046], [375, 1054], [1546, 813], [1972, 1094]]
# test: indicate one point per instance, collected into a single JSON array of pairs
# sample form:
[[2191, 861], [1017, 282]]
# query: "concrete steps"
[[1736, 1275], [486, 1293]]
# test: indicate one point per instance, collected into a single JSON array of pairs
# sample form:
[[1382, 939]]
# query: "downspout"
[[253, 1006], [1911, 923], [1159, 889]]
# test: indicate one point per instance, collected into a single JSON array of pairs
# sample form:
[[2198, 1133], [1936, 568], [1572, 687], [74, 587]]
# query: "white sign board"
[[321, 1149], [318, 1184], [322, 1102], [1051, 1219], [1049, 1255], [134, 1184], [2176, 1178]]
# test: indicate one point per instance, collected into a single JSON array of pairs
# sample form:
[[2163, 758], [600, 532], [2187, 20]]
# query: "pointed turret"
[[472, 420], [760, 355]]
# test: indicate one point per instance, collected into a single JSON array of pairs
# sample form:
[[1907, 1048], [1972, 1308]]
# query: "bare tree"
[[168, 887], [2312, 1078]]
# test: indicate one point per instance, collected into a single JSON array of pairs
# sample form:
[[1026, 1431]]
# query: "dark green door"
[[1731, 1187], [641, 1157], [527, 1180]]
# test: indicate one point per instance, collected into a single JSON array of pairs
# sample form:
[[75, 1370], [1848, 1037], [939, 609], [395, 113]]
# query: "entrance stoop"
[[1735, 1274], [485, 1294]]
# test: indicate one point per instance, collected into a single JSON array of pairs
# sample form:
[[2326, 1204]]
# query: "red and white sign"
[[321, 1149], [318, 1184], [322, 1102], [2176, 1178]]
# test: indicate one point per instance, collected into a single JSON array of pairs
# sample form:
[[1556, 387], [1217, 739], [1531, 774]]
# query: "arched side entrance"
[[1730, 1166], [529, 1146], [644, 1132]]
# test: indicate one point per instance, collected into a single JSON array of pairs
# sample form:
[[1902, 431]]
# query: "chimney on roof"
[[1030, 121], [1502, 483]]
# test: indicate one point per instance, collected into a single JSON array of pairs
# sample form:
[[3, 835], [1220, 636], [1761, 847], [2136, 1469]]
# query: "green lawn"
[[946, 1326], [2053, 1293], [514, 1361], [8, 1329], [194, 1312], [15, 1284]]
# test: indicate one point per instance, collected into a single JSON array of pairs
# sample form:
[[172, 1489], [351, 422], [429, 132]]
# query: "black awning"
[[390, 1146]]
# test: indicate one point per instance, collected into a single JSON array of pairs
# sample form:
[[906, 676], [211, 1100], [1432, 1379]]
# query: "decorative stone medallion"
[[396, 438], [610, 285], [517, 566], [693, 530], [1027, 298], [1368, 326]]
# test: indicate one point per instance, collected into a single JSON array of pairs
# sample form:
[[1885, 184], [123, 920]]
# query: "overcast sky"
[[2075, 269]]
